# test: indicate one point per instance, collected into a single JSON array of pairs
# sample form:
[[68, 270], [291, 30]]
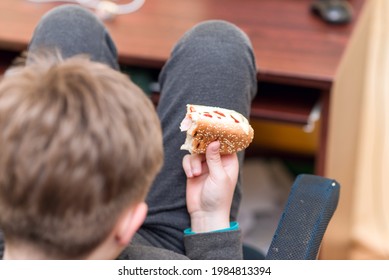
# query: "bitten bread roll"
[[205, 124]]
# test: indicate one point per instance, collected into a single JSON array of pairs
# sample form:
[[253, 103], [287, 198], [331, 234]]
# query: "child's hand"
[[211, 181]]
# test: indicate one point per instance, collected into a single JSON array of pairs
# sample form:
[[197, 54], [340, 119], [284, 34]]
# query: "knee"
[[70, 13], [220, 30]]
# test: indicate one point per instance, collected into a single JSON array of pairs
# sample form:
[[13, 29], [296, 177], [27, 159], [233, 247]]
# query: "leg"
[[213, 64], [74, 30]]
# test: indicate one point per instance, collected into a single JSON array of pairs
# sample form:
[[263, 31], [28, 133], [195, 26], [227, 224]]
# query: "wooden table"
[[297, 54]]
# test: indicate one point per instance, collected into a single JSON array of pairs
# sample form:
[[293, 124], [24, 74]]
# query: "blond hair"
[[79, 142]]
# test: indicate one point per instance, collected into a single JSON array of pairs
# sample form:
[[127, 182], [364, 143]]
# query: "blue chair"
[[311, 203]]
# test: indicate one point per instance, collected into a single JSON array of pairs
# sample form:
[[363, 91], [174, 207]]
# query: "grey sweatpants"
[[212, 64]]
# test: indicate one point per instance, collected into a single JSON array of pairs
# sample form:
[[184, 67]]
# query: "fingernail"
[[195, 171]]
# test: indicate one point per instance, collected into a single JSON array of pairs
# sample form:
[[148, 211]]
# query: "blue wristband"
[[233, 226]]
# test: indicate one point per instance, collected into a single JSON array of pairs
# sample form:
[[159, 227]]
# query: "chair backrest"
[[311, 203]]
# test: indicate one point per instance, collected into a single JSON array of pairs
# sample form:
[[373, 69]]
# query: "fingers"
[[213, 158], [192, 165]]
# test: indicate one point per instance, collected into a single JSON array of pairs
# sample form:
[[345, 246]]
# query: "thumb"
[[213, 158]]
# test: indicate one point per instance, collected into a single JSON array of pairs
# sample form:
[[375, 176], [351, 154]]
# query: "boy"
[[82, 157]]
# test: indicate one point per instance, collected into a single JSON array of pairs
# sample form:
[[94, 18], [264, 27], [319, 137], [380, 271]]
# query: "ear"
[[129, 222]]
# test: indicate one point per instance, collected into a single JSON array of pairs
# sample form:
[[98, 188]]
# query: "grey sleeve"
[[214, 246], [141, 249], [149, 253]]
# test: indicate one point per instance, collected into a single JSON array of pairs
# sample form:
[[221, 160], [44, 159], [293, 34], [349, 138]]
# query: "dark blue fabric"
[[250, 253], [310, 206]]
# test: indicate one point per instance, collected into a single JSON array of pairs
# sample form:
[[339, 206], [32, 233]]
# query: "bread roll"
[[205, 124]]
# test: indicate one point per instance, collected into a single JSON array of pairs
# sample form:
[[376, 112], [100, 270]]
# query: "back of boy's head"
[[79, 143]]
